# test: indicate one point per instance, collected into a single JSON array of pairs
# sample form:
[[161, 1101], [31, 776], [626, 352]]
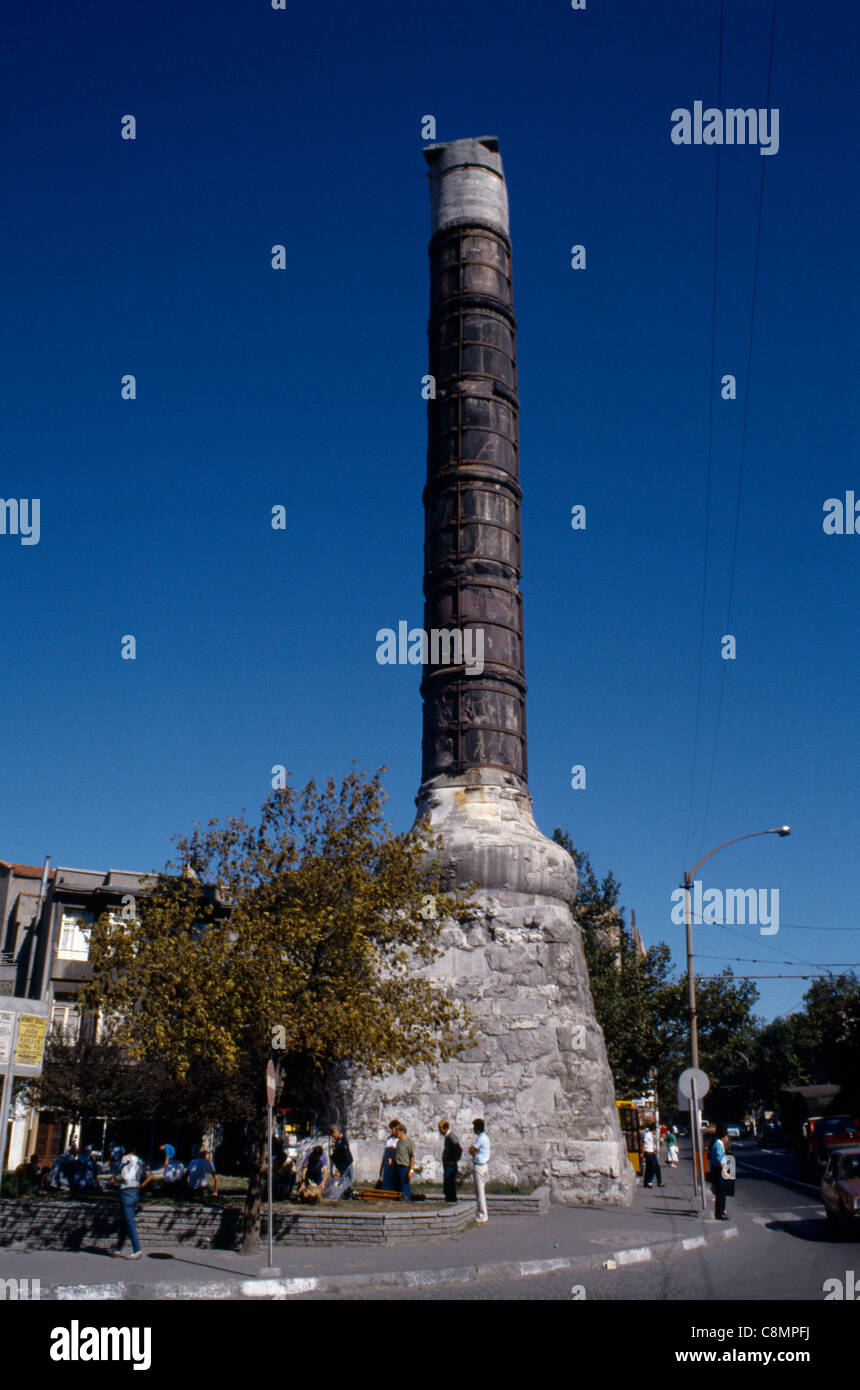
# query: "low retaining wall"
[[59, 1224]]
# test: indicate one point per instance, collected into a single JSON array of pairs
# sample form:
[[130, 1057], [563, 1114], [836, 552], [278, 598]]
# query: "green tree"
[[781, 1056], [308, 931], [628, 989], [727, 1030], [829, 1028]]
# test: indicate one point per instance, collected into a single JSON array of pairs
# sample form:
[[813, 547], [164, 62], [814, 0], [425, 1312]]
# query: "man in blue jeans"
[[132, 1178]]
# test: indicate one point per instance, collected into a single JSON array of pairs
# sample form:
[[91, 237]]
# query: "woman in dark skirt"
[[386, 1169]]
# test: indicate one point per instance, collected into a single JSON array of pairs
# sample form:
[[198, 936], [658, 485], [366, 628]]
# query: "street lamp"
[[687, 885]]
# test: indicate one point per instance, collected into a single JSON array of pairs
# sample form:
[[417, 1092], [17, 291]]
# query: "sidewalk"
[[660, 1222]]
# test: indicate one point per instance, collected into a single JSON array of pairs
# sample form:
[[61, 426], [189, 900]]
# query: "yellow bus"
[[628, 1115]]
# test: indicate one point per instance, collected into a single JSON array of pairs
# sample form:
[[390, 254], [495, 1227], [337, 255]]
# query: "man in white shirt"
[[652, 1163], [480, 1152]]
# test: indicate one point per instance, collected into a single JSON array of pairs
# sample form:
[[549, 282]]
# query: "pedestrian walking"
[[652, 1162], [452, 1152], [672, 1147], [342, 1165], [386, 1168], [480, 1152], [132, 1178], [404, 1163], [717, 1171], [200, 1170]]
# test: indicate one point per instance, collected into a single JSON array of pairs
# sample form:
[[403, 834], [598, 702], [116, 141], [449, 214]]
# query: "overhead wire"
[[707, 525], [742, 456]]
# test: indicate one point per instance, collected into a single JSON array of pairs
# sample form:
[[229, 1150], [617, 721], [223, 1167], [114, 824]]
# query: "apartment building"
[[46, 916]]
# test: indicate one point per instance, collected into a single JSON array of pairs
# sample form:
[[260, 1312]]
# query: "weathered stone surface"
[[539, 1075]]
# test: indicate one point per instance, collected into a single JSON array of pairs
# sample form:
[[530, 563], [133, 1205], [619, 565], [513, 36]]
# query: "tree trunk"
[[254, 1198]]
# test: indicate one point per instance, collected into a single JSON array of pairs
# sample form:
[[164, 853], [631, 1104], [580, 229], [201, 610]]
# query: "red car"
[[840, 1185], [823, 1132]]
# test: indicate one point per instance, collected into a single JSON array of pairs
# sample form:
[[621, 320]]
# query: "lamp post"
[[687, 885]]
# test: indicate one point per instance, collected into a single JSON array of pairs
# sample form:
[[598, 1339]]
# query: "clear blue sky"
[[302, 388]]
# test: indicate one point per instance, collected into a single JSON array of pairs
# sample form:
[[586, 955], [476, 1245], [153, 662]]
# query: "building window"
[[65, 1019], [75, 934]]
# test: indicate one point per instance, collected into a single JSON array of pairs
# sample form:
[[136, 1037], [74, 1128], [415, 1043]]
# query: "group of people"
[[649, 1152], [321, 1176], [131, 1174], [398, 1162], [74, 1170], [718, 1169], [177, 1179]]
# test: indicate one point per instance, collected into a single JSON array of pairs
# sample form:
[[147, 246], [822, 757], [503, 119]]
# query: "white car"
[[733, 1131]]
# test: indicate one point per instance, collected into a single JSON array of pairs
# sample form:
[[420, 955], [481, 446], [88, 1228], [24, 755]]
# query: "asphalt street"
[[785, 1251]]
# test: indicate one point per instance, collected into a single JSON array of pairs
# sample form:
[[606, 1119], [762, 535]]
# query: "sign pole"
[[270, 1269], [691, 1084]]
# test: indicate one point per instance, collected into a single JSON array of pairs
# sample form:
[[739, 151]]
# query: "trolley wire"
[[742, 457], [709, 455]]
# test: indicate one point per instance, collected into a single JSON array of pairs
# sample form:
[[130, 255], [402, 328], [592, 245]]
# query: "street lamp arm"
[[776, 830]]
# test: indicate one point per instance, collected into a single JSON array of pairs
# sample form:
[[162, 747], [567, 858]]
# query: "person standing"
[[716, 1160], [386, 1168], [452, 1152], [652, 1162], [404, 1163], [342, 1164], [672, 1147], [480, 1152], [132, 1178]]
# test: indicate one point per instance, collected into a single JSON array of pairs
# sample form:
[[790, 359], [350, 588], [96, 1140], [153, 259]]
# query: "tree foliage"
[[641, 1004], [309, 930]]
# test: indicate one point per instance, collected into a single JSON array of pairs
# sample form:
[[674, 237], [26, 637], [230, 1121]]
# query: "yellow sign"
[[31, 1040]]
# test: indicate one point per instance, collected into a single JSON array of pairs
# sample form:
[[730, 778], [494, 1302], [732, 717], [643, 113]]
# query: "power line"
[[709, 453], [742, 457], [764, 977], [796, 926], [760, 960]]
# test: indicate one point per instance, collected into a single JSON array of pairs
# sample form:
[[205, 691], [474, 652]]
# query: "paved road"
[[785, 1251]]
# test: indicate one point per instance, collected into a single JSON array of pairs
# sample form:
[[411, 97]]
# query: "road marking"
[[632, 1257], [777, 1177]]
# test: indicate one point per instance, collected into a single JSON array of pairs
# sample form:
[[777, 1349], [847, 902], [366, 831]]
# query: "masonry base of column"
[[538, 1074]]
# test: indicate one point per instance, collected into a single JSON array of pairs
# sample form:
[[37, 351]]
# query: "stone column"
[[538, 1075]]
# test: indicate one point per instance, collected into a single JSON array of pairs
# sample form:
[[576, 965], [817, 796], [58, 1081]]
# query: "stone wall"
[[538, 1073], [61, 1224]]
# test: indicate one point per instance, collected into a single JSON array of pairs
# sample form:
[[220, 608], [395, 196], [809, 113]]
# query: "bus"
[[629, 1117]]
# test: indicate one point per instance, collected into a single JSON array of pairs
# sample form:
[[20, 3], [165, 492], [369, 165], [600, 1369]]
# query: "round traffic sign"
[[685, 1083], [270, 1083]]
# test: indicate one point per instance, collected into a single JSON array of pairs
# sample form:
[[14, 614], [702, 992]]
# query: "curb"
[[279, 1289]]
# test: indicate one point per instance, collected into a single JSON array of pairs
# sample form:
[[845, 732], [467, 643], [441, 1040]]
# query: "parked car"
[[840, 1185], [733, 1131]]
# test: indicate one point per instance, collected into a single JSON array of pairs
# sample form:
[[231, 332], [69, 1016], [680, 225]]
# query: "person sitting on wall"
[[200, 1170], [313, 1175]]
